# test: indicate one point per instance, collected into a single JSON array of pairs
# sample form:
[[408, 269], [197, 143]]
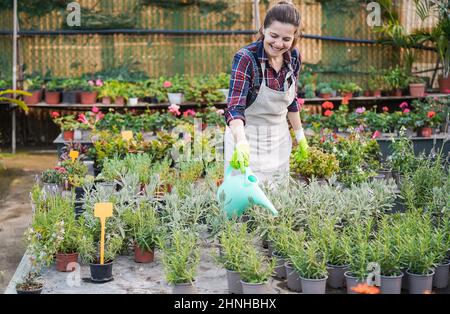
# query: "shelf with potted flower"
[[33, 85], [71, 90], [426, 119], [175, 88], [417, 86], [67, 124], [89, 91], [53, 91], [396, 81], [350, 89]]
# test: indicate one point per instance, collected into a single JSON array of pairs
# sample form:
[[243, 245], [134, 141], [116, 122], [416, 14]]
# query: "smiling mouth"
[[276, 49]]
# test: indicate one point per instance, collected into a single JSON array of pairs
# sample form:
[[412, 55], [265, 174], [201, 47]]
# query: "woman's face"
[[278, 38]]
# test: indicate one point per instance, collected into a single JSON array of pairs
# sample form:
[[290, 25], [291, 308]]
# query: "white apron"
[[267, 132]]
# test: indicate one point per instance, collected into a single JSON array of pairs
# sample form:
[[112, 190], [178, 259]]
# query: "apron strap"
[[288, 75]]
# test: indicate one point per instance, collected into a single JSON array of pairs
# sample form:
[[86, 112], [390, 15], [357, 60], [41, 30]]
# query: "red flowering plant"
[[66, 123], [427, 114]]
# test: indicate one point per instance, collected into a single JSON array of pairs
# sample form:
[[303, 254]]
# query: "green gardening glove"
[[302, 144], [241, 156]]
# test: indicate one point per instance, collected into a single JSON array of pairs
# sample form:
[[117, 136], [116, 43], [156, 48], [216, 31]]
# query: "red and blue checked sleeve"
[[241, 75]]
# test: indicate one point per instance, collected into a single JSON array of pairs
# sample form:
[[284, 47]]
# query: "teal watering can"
[[240, 191]]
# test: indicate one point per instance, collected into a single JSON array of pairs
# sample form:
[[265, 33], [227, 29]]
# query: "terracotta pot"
[[34, 98], [417, 90], [68, 135], [63, 262], [377, 93], [367, 93], [444, 85], [120, 101], [326, 96], [398, 93], [88, 98], [106, 100], [426, 132], [348, 95], [53, 98], [143, 256]]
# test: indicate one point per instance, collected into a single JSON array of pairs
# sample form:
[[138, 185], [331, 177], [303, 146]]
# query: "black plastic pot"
[[79, 193], [71, 97], [101, 273], [78, 208]]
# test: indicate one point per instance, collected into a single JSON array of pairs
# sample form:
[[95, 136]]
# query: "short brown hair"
[[283, 12]]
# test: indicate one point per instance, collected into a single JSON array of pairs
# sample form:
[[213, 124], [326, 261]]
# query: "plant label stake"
[[127, 135], [74, 154], [103, 211]]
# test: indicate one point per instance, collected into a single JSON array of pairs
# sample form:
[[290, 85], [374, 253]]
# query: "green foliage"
[[309, 260], [318, 164], [53, 176], [402, 159], [233, 241], [255, 268], [181, 256], [144, 226]]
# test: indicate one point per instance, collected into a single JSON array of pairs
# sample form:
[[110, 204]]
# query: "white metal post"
[[14, 78]]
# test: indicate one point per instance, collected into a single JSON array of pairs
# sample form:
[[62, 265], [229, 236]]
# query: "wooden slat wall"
[[70, 56]]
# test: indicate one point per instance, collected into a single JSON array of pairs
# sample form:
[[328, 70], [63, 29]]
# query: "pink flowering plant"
[[66, 123], [175, 84], [91, 85], [90, 119]]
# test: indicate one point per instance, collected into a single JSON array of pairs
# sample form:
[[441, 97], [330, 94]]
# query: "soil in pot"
[[143, 256], [101, 273], [314, 286], [336, 278], [294, 282], [184, 288], [234, 282], [255, 288], [420, 284], [391, 284], [66, 262]]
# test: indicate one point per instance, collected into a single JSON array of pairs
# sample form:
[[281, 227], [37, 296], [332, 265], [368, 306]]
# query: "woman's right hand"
[[241, 156]]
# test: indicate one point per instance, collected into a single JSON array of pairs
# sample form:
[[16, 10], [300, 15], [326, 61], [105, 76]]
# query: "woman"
[[263, 91]]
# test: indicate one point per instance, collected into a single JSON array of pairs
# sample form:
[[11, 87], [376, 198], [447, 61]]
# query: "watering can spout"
[[241, 191]]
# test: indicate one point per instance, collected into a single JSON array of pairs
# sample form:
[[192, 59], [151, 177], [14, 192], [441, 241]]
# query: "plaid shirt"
[[246, 78]]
